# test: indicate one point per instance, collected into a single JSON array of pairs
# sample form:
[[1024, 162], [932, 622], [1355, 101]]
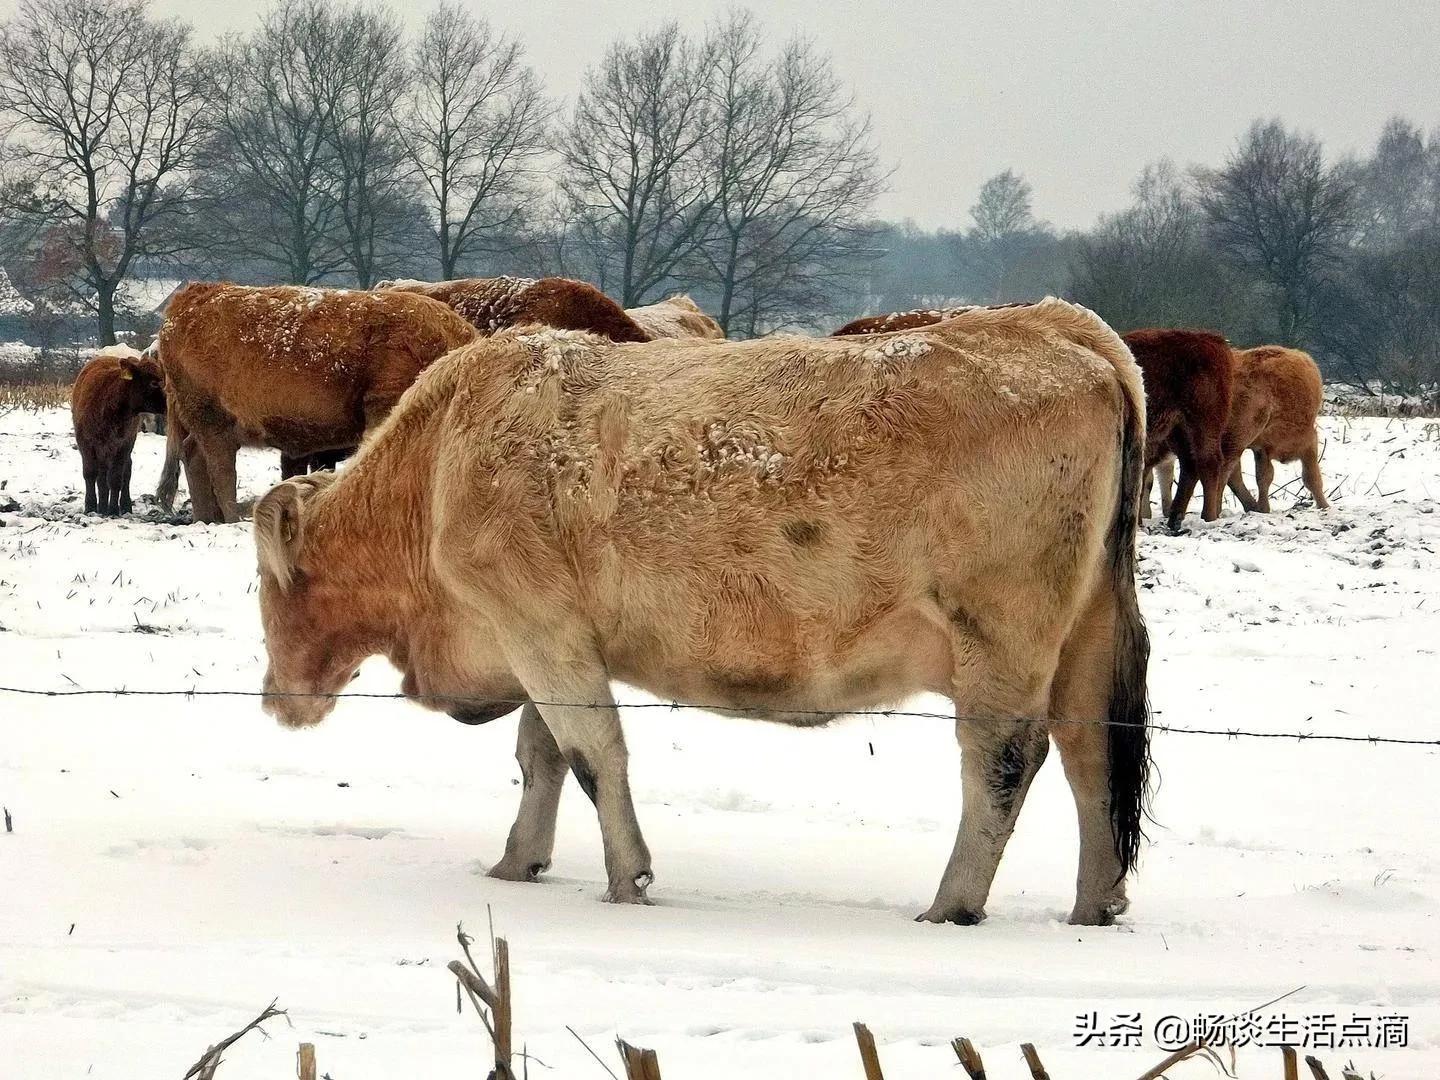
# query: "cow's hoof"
[[515, 870], [1099, 914], [631, 890], [958, 916]]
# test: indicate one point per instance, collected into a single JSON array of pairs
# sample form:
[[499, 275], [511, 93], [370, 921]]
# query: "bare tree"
[[1278, 211], [105, 108], [1399, 187], [633, 162], [275, 181], [795, 174], [371, 169], [1004, 227], [474, 123], [1150, 265]]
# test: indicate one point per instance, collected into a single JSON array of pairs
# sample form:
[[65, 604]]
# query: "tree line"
[[329, 145]]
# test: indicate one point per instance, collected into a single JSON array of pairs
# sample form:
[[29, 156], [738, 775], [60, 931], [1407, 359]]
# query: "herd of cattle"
[[552, 492], [309, 371]]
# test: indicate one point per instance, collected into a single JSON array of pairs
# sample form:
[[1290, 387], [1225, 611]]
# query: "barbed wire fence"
[[820, 715]]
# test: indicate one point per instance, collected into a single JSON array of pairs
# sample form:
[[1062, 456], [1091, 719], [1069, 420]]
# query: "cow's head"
[[312, 639], [144, 383]]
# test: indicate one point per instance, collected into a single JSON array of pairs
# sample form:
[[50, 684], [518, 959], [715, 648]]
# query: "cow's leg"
[[1239, 490], [107, 491], [293, 465], [197, 477], [125, 504], [1310, 470], [570, 684], [999, 758], [1079, 704], [1165, 471], [1184, 490], [1145, 495], [543, 767], [1000, 707], [91, 472], [1213, 474], [1264, 477], [219, 451]]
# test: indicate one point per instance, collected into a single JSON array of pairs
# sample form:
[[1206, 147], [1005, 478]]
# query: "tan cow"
[[788, 527], [302, 370], [1278, 394], [493, 304], [675, 317]]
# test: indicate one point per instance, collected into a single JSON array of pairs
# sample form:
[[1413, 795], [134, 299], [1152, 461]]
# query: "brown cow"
[[1278, 394], [1189, 383], [790, 527], [675, 317], [109, 394], [302, 370], [493, 304]]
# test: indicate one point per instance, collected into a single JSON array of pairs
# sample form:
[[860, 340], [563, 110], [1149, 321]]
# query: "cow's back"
[[494, 304], [299, 369]]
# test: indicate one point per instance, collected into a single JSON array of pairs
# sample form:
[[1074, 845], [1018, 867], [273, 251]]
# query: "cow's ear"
[[279, 528], [126, 371]]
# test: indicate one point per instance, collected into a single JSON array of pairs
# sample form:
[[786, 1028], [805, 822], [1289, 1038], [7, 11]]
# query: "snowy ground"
[[175, 864]]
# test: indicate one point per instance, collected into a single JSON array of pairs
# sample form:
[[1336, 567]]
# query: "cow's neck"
[[371, 555]]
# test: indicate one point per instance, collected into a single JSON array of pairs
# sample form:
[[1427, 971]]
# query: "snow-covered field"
[[176, 863]]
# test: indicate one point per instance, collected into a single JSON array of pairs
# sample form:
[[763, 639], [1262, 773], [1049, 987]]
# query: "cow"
[[787, 527], [302, 370], [493, 304], [1189, 384], [675, 317], [111, 392], [1278, 394]]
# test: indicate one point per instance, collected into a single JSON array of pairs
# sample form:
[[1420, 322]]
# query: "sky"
[[1077, 96]]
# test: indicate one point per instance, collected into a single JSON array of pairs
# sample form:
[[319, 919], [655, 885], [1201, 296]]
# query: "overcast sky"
[[1076, 95]]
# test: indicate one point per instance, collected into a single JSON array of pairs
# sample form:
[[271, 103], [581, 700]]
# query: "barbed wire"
[[724, 710]]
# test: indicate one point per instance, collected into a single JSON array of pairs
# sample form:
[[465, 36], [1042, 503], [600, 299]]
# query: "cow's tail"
[[1129, 712], [174, 445]]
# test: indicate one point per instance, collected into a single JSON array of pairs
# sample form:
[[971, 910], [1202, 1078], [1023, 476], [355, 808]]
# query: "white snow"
[[177, 863]]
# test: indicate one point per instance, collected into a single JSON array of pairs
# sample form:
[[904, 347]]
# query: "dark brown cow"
[[109, 394], [493, 304], [302, 370], [1189, 383]]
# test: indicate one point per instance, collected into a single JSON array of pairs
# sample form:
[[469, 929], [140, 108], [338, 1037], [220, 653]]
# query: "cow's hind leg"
[[1184, 491], [1165, 474], [219, 451], [1000, 702], [1239, 490], [1080, 706], [569, 682], [543, 768], [1264, 477], [1000, 756], [1310, 470]]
